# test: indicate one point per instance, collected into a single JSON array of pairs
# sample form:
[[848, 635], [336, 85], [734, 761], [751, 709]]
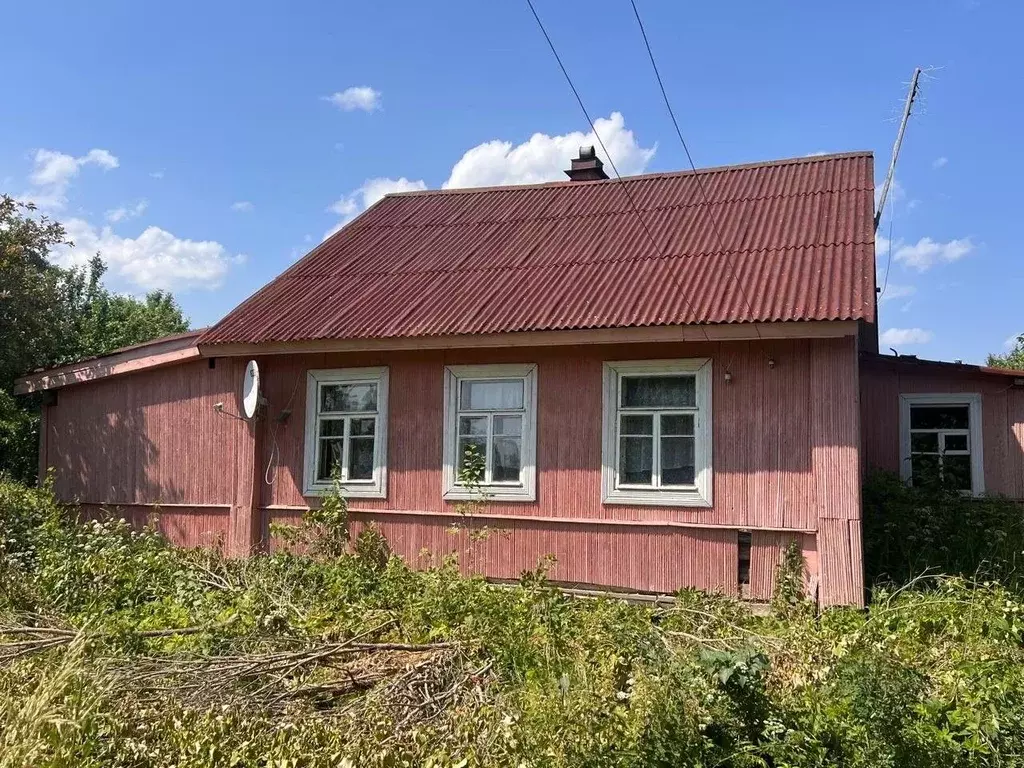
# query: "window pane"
[[472, 470], [924, 442], [955, 442], [473, 425], [659, 392], [636, 460], [362, 427], [491, 395], [507, 459], [956, 472], [924, 470], [636, 425], [939, 417], [508, 425], [332, 428], [330, 457], [337, 398], [677, 461], [677, 424], [360, 458]]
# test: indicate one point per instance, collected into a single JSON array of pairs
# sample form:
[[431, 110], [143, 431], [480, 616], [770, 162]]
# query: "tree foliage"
[[51, 316], [1013, 359]]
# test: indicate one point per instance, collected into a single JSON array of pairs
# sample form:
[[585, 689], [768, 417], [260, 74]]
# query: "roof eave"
[[155, 354], [585, 336]]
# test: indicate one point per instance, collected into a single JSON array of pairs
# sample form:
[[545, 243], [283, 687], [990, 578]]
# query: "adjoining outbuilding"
[[667, 377]]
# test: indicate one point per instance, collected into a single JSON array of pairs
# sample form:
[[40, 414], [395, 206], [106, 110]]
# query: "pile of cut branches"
[[417, 681]]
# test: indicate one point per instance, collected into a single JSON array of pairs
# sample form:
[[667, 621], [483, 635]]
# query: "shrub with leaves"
[[909, 531], [121, 650]]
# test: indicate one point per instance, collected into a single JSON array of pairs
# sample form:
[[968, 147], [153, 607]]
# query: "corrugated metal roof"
[[797, 234]]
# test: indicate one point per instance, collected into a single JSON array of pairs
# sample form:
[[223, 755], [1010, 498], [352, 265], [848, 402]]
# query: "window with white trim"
[[940, 441], [657, 433], [490, 411], [346, 431]]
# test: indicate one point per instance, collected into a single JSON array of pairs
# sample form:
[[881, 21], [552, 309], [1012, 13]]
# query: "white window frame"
[[697, 495], [975, 429], [526, 489], [375, 488]]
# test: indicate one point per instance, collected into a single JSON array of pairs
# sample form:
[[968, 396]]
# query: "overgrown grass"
[[910, 531], [486, 676]]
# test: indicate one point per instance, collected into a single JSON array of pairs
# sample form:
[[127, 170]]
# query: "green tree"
[[1013, 359], [51, 316]]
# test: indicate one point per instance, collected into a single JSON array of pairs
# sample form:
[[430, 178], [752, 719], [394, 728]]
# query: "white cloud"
[[53, 171], [357, 97], [893, 291], [1011, 342], [127, 212], [354, 203], [242, 206], [897, 337], [927, 252], [495, 163], [156, 175], [938, 162], [155, 259], [819, 153], [545, 158]]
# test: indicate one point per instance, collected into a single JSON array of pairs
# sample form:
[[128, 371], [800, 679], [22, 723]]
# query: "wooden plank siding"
[[766, 549], [185, 526], [149, 437], [785, 454], [1002, 415]]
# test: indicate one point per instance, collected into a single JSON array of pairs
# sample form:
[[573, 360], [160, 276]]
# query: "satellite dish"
[[250, 389]]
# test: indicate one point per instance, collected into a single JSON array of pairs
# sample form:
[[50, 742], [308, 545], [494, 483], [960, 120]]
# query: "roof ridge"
[[622, 260], [625, 211], [637, 177]]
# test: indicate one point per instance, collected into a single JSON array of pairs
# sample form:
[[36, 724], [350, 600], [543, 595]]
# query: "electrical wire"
[[888, 260], [611, 162], [693, 167], [275, 450]]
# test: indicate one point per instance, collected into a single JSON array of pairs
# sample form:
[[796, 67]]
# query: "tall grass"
[[910, 531], [932, 675]]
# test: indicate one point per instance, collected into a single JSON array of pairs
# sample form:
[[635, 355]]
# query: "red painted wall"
[[1002, 413], [147, 437], [785, 457]]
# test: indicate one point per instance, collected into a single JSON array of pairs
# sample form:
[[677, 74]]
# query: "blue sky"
[[203, 147]]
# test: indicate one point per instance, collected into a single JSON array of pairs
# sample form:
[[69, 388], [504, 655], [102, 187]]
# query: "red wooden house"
[[668, 378]]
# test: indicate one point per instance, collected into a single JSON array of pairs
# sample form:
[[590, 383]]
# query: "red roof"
[[573, 255]]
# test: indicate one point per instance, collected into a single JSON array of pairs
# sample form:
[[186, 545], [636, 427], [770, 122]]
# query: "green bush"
[[911, 531], [928, 677]]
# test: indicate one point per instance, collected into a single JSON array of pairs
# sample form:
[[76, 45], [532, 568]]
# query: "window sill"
[[490, 493], [349, 491], [640, 497]]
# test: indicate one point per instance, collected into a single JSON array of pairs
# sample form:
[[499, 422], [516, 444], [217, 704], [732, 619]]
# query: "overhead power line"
[[693, 167], [611, 162]]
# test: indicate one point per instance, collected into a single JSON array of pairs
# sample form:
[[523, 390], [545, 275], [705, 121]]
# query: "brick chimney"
[[587, 167]]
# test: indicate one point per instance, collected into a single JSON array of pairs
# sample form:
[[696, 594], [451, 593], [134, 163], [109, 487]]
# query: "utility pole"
[[911, 95]]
